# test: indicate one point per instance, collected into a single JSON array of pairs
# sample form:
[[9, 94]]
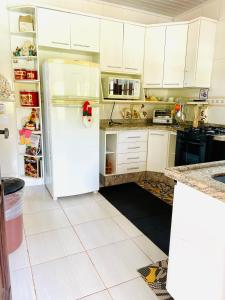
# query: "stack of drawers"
[[132, 151]]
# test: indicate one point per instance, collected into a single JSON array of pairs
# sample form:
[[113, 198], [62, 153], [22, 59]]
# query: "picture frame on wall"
[[203, 94]]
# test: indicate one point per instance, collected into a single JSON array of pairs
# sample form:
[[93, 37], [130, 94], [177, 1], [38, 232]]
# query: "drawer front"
[[133, 136], [132, 147], [127, 158], [131, 168]]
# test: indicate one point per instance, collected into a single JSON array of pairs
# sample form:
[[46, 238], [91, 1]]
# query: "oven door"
[[190, 152]]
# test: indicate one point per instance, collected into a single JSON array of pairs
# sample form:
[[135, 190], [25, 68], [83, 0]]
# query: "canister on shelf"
[[29, 99]]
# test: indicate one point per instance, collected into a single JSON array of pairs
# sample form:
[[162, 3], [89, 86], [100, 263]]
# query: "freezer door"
[[75, 152], [74, 80]]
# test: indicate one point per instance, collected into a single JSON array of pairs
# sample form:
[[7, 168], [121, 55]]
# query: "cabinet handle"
[[133, 157], [135, 69], [114, 67], [59, 43], [133, 147], [134, 168], [160, 134], [133, 137], [171, 83], [80, 45], [152, 83]]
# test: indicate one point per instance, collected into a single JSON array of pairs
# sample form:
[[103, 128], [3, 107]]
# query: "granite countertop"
[[200, 177], [138, 125]]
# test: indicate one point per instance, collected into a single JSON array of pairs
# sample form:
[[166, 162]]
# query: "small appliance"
[[121, 88], [162, 116]]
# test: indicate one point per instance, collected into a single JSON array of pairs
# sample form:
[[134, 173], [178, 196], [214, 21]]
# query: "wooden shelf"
[[24, 34], [27, 107], [24, 57], [29, 155], [138, 102], [27, 81]]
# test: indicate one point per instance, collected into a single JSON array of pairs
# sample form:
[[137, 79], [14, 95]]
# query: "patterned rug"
[[155, 276], [159, 189]]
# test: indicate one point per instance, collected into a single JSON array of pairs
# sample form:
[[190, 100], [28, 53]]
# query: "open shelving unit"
[[108, 155], [26, 60]]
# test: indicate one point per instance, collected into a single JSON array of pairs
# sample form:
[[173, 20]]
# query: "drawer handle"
[[135, 69], [114, 67], [171, 83], [134, 168], [160, 134], [152, 83], [59, 43], [133, 157], [134, 137], [80, 45], [137, 147]]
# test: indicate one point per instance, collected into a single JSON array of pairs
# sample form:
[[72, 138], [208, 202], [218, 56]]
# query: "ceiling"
[[166, 7]]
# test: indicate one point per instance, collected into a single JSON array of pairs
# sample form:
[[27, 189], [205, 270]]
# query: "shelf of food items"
[[30, 141], [25, 66]]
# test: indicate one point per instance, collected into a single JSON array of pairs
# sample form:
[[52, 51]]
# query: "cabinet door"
[[133, 51], [175, 54], [85, 33], [157, 150], [154, 56], [111, 46], [53, 28], [192, 53]]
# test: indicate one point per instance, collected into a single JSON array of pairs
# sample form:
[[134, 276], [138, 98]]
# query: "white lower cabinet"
[[130, 151], [161, 150]]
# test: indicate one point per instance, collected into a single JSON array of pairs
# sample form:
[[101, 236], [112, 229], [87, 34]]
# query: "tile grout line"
[[32, 274], [84, 249]]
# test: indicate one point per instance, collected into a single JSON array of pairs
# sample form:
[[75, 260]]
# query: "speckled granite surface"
[[137, 125], [200, 177]]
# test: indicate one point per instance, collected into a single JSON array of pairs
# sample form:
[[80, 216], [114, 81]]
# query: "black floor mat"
[[147, 212]]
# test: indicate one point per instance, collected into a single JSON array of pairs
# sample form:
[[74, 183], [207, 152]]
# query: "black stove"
[[197, 145]]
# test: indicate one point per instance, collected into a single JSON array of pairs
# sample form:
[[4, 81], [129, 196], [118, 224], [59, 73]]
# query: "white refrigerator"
[[71, 147]]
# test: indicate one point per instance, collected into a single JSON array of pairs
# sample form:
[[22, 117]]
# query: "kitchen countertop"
[[137, 125], [200, 177]]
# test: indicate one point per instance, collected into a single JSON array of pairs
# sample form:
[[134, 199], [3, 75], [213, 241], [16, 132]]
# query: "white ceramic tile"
[[37, 199], [86, 212], [99, 233], [72, 201], [150, 249], [68, 278], [45, 221], [112, 210], [130, 229], [19, 259], [117, 263], [22, 285], [98, 296], [135, 289], [53, 244]]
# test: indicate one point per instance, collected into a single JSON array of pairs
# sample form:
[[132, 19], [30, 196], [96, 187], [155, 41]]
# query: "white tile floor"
[[79, 248]]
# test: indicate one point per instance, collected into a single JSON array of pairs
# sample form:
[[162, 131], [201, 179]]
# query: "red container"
[[20, 74], [31, 74], [29, 99]]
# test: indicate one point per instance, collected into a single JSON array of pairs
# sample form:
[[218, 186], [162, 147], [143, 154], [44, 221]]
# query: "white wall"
[[8, 158]]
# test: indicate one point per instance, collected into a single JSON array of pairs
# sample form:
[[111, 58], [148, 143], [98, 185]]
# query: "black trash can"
[[13, 192]]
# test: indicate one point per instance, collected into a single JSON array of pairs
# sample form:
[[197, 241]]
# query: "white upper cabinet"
[[111, 46], [154, 56], [200, 51], [175, 55], [85, 33], [53, 28], [133, 48]]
